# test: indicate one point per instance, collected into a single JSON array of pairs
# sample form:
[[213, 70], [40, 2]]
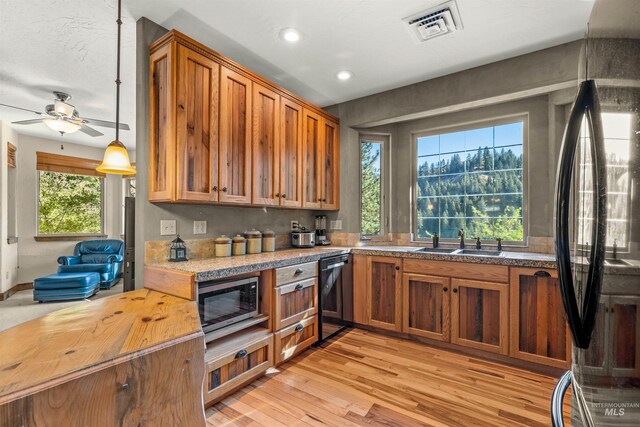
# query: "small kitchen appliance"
[[303, 238], [321, 231]]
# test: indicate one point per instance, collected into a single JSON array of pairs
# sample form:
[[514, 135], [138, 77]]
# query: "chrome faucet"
[[499, 240], [615, 249], [435, 239], [461, 235], [478, 243]]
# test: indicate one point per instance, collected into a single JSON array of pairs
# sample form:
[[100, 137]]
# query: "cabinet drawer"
[[292, 340], [231, 370], [295, 302], [296, 273]]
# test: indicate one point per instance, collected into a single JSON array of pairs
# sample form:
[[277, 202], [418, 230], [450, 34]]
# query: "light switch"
[[167, 227], [199, 227]]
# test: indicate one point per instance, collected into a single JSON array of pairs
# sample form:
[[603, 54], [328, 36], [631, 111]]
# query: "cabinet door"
[[479, 315], [266, 159], [235, 137], [311, 155], [198, 82], [330, 179], [290, 153], [161, 120], [426, 306], [539, 331], [384, 296], [624, 325]]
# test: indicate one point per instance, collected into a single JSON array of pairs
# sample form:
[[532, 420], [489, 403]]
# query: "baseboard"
[[19, 287]]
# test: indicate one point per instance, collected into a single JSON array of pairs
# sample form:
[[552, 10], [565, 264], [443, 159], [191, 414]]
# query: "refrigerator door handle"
[[557, 399], [586, 105]]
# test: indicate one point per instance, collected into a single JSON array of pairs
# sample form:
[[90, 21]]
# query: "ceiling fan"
[[64, 118]]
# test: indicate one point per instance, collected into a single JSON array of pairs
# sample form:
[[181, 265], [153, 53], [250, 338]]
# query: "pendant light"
[[116, 158]]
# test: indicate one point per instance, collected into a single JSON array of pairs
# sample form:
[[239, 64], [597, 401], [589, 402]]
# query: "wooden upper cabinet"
[[311, 158], [235, 137], [266, 150], [161, 124], [539, 331], [384, 293], [291, 115], [330, 161], [198, 81]]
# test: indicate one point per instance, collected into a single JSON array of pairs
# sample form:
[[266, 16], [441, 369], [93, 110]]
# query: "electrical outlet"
[[167, 227], [295, 225], [199, 227], [335, 225]]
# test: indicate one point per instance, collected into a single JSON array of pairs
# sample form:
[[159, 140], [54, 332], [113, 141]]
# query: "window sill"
[[68, 237]]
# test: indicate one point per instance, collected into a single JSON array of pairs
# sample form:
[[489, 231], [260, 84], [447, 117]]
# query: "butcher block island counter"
[[129, 359]]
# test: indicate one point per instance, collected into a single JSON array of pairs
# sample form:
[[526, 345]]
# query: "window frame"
[[385, 140], [465, 126], [70, 236]]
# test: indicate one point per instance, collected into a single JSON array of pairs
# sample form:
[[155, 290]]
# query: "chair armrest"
[[69, 260], [112, 259]]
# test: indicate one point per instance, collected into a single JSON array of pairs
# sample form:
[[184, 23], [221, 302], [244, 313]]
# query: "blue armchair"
[[104, 257]]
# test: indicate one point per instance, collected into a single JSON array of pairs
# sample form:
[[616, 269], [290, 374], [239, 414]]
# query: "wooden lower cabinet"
[[539, 331], [294, 302], [233, 366], [426, 306], [384, 292], [479, 315], [292, 340]]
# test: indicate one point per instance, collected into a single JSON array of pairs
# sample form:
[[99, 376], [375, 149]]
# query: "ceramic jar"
[[239, 244], [268, 241], [223, 246], [254, 241]]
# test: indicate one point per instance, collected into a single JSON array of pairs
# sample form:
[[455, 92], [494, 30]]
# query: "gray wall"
[[539, 84]]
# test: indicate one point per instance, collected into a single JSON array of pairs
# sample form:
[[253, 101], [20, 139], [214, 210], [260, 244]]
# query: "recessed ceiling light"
[[344, 75], [290, 35]]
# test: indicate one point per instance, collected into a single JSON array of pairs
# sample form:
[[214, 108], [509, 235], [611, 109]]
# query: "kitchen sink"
[[477, 252], [436, 250], [615, 262]]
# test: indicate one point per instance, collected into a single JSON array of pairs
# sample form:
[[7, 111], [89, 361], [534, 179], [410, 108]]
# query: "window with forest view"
[[69, 204], [471, 180], [371, 222]]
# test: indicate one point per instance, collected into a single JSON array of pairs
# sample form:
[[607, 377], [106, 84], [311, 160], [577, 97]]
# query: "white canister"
[[239, 245], [254, 241], [268, 241], [223, 246]]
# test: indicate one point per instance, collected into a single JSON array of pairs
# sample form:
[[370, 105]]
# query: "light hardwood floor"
[[368, 379]]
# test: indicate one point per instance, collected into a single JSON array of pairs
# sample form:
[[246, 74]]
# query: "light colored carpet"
[[20, 307]]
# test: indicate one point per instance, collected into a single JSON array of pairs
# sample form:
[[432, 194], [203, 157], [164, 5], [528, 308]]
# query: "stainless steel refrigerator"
[[598, 225]]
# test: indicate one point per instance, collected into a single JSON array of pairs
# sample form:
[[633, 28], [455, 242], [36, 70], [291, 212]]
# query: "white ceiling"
[[70, 45]]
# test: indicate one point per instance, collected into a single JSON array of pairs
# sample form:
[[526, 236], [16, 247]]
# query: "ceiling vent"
[[437, 21]]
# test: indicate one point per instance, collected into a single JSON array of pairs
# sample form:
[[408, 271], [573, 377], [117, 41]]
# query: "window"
[[372, 179], [617, 128], [70, 196], [473, 180]]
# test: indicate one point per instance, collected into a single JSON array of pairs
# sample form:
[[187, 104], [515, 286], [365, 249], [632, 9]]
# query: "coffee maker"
[[321, 231]]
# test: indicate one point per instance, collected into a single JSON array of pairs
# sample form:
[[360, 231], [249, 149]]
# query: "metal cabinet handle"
[[224, 189], [445, 289], [241, 354], [455, 290], [277, 194], [542, 273], [214, 188], [397, 267], [284, 196], [299, 287], [299, 327], [298, 271]]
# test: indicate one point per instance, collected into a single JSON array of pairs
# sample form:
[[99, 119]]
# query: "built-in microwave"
[[223, 303]]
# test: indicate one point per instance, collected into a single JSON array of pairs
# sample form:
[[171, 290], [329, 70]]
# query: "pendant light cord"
[[119, 22]]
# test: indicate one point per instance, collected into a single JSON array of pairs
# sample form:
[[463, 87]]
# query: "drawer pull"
[[542, 273], [299, 287], [445, 289], [455, 290], [298, 272], [241, 354], [299, 327]]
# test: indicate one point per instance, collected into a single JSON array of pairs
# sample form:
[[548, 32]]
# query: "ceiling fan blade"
[[106, 124], [90, 131], [28, 122], [20, 108]]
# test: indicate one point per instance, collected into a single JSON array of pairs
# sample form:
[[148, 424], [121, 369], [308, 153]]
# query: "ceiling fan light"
[[60, 125], [63, 108], [116, 160]]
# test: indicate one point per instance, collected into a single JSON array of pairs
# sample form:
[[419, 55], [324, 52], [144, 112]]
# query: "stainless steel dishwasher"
[[335, 297]]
